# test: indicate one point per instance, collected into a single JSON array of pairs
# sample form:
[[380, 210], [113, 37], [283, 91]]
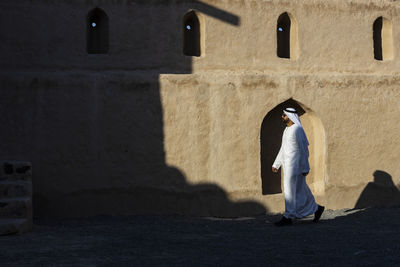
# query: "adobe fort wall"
[[146, 129]]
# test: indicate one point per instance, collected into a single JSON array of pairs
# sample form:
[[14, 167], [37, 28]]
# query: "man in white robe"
[[293, 157]]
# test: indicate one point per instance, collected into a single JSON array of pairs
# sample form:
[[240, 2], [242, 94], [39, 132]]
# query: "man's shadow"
[[381, 192]]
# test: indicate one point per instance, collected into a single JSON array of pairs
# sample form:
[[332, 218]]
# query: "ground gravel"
[[341, 238]]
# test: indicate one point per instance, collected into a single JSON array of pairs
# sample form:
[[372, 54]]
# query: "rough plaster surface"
[[145, 129], [352, 110]]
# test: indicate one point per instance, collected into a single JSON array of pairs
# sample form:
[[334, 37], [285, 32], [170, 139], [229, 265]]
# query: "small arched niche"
[[383, 39], [270, 141], [286, 35], [97, 32], [192, 34]]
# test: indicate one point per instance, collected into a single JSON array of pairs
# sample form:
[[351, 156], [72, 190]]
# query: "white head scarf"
[[294, 117]]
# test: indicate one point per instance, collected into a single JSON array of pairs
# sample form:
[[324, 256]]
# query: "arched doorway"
[[270, 141]]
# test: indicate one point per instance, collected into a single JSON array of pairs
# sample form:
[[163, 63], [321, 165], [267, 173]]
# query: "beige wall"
[[145, 129], [332, 37], [225, 116]]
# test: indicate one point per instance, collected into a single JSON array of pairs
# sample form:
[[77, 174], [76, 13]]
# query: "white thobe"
[[293, 156]]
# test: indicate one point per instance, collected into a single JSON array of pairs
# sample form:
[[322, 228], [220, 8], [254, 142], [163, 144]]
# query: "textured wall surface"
[[145, 129]]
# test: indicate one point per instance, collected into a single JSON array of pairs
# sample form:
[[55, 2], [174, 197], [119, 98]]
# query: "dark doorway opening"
[[271, 138]]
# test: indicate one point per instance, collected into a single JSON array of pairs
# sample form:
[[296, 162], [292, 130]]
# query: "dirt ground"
[[342, 237]]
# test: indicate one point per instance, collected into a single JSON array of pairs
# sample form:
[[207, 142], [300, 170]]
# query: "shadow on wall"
[[179, 198], [95, 138], [381, 192], [271, 138]]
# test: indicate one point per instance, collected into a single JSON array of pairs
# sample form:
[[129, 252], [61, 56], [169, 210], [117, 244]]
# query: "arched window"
[[191, 35], [97, 32], [383, 40], [286, 33]]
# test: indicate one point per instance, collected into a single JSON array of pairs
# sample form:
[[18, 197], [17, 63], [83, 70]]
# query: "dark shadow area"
[[217, 13], [381, 192], [271, 138], [283, 35], [97, 32], [377, 35], [95, 133], [192, 200], [364, 238]]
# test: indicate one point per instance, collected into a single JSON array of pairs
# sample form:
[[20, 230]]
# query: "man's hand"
[[274, 169]]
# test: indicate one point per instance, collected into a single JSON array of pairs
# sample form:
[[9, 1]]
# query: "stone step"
[[15, 170], [14, 226], [13, 189], [20, 207]]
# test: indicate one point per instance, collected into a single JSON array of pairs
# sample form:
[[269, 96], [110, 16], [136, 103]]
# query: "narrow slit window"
[[191, 35], [383, 40], [286, 33], [283, 35], [97, 32]]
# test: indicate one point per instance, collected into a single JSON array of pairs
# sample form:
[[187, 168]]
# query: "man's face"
[[285, 118]]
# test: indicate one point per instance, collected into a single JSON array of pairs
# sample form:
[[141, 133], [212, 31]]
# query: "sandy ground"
[[342, 237]]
